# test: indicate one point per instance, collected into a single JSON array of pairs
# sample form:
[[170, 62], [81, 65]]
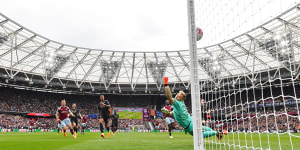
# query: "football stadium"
[[150, 75]]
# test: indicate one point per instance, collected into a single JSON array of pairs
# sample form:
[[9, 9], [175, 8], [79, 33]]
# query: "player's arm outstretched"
[[168, 91], [80, 115], [98, 116], [71, 114]]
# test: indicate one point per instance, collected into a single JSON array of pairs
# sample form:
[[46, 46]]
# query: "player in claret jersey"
[[62, 117], [83, 123], [169, 118]]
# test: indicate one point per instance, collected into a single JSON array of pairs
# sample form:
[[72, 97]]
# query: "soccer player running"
[[183, 117], [115, 122], [103, 115], [83, 123], [168, 115], [62, 117], [74, 120]]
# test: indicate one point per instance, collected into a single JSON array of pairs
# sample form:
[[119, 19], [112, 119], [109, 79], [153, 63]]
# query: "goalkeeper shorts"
[[189, 128]]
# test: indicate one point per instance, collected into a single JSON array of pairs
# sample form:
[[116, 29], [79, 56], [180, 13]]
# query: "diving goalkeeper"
[[183, 117]]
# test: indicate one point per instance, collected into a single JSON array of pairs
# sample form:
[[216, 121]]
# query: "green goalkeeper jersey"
[[180, 113]]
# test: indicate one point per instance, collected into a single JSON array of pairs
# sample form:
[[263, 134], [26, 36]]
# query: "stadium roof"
[[23, 51]]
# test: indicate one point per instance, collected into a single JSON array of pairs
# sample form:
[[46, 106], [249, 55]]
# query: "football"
[[164, 110], [199, 34]]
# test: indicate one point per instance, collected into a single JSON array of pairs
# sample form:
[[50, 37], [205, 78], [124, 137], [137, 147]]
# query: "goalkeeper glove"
[[166, 81]]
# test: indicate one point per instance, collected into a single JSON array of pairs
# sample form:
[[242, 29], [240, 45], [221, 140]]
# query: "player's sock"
[[58, 131], [108, 133], [65, 130], [75, 130], [101, 128], [209, 133], [207, 128], [72, 131]]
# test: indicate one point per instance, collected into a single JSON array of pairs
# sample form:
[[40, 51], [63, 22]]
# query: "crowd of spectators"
[[280, 121], [38, 102], [262, 122], [20, 122], [22, 101]]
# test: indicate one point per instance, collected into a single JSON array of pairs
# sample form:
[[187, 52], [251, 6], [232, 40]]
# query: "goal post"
[[194, 79]]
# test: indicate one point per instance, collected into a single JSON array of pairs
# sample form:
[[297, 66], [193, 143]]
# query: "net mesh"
[[253, 87]]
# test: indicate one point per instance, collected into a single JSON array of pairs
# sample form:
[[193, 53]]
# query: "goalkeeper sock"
[[101, 128], [207, 128], [209, 133], [107, 129]]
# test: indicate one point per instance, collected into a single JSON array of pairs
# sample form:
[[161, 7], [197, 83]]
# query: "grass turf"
[[132, 141]]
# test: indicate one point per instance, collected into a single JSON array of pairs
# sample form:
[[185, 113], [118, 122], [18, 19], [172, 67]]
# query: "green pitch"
[[132, 141]]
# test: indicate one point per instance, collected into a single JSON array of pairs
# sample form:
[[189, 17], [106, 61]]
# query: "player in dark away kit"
[[103, 115], [74, 120], [115, 123]]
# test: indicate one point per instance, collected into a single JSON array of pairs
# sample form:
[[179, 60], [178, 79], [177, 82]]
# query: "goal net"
[[249, 82]]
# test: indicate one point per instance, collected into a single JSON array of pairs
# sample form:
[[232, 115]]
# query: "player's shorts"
[[83, 124], [169, 120], [65, 122], [74, 120], [105, 118], [59, 125], [114, 124], [30, 127], [189, 129]]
